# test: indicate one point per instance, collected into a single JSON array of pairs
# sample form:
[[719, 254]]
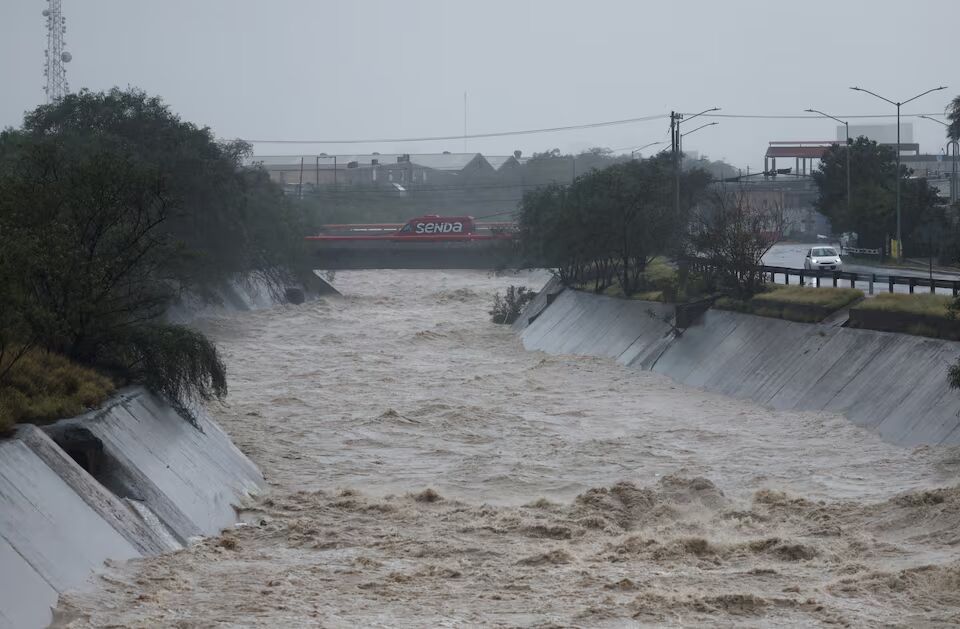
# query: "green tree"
[[224, 219], [110, 205], [609, 224], [872, 210], [85, 263], [953, 115]]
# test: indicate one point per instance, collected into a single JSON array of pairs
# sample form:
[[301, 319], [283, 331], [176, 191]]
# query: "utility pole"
[[300, 183], [675, 118]]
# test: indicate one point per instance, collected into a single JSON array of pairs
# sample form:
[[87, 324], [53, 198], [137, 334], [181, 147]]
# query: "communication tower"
[[54, 71]]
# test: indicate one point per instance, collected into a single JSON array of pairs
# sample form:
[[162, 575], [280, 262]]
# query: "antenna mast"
[[56, 76]]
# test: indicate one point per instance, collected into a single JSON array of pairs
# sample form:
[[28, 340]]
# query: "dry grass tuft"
[[917, 304], [43, 387], [832, 298]]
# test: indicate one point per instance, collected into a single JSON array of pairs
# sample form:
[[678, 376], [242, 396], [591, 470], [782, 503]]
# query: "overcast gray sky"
[[299, 69]]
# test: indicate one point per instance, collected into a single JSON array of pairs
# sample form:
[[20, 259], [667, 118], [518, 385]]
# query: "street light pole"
[[952, 149], [897, 105], [847, 126]]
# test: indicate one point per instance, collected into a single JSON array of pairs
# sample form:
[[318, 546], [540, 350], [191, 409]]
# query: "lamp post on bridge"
[[897, 105]]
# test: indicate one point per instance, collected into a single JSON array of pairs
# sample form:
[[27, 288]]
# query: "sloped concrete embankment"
[[893, 384], [130, 480], [243, 294]]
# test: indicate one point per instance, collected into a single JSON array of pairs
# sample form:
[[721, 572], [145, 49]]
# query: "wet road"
[[792, 255]]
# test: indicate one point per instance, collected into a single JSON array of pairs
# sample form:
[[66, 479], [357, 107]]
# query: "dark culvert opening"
[[83, 447], [88, 451]]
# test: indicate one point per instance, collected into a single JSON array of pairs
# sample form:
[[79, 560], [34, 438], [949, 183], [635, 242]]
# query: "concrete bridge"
[[464, 245], [467, 254]]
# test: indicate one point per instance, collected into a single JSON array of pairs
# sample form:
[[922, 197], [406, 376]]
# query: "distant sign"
[[439, 228]]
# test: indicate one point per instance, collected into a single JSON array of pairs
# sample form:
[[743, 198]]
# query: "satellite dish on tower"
[[56, 57]]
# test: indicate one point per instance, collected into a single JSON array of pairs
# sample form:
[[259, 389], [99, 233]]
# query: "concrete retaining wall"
[[130, 480], [894, 384], [240, 295]]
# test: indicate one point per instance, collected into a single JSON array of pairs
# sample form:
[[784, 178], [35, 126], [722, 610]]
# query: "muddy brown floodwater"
[[426, 471]]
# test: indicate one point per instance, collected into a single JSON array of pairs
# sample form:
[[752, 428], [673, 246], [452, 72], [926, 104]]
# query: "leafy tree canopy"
[[609, 223], [953, 114], [872, 210], [223, 218], [109, 206]]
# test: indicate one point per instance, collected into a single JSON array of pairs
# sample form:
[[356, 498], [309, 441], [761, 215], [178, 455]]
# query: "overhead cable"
[[472, 136]]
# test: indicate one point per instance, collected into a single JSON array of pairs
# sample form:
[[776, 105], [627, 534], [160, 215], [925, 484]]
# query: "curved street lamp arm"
[[817, 111], [705, 111], [709, 124], [860, 89], [936, 89], [935, 120], [640, 148]]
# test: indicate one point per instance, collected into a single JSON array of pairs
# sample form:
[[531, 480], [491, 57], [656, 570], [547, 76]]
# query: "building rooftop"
[[435, 161], [498, 161]]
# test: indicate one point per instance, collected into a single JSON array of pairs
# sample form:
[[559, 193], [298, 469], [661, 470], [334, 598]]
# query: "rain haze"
[[444, 314], [289, 70]]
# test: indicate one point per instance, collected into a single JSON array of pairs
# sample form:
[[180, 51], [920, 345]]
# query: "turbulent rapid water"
[[426, 471]]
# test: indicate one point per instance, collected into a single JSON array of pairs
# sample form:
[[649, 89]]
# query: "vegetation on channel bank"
[[111, 207]]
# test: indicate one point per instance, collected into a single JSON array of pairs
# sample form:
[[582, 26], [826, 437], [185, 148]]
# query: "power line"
[[590, 125], [498, 134], [808, 117]]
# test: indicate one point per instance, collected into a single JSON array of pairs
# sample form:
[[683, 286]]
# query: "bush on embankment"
[[794, 303], [110, 207], [507, 309], [660, 281], [920, 314], [42, 386]]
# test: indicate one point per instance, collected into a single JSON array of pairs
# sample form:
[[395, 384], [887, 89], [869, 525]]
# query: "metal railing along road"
[[870, 281]]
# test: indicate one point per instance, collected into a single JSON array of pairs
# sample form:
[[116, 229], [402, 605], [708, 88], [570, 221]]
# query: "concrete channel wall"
[[893, 384], [130, 480], [243, 294]]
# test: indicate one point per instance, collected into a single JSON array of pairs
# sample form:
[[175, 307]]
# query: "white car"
[[822, 259]]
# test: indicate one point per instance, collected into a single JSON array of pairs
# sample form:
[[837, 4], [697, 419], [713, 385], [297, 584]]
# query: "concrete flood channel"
[[425, 467], [892, 384], [130, 480]]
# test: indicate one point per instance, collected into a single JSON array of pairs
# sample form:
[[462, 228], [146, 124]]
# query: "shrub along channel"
[[923, 314]]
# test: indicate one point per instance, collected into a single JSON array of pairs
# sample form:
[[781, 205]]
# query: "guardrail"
[[871, 280], [859, 251]]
